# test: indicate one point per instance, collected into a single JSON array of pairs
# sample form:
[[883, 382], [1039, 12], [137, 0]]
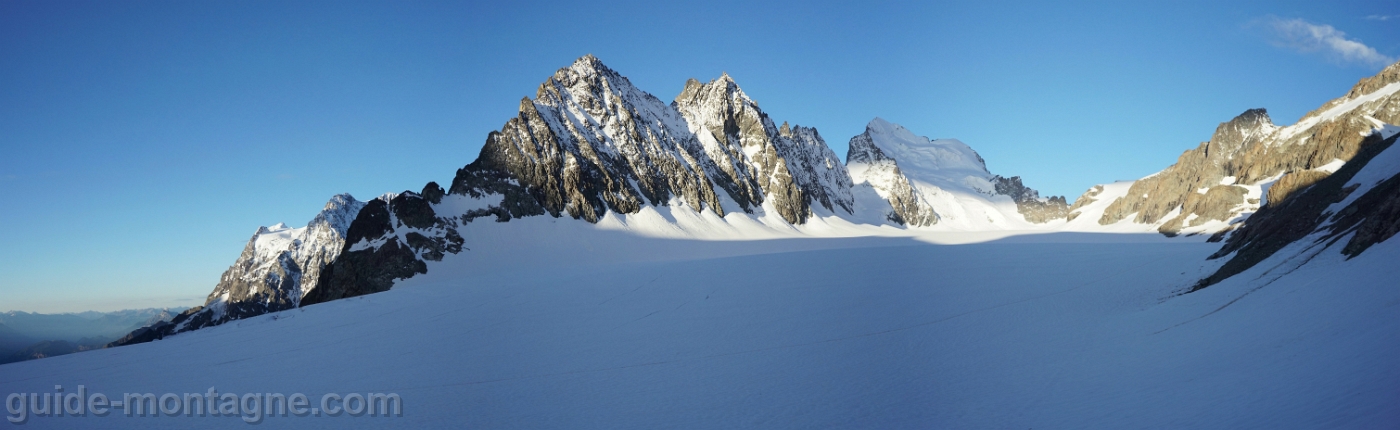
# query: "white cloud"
[[1381, 17], [1306, 37]]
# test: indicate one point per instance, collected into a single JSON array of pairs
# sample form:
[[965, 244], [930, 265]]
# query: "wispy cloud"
[[1381, 17], [1308, 38]]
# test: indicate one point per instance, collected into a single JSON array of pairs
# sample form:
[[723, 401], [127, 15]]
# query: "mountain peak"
[[880, 123], [1255, 115], [585, 69], [340, 200], [339, 212], [588, 84], [588, 63], [730, 86], [921, 153], [1233, 135], [722, 87]]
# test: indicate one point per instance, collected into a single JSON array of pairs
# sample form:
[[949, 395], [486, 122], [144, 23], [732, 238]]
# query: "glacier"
[[568, 325]]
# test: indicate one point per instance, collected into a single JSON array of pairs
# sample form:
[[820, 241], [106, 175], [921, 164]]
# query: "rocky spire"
[[790, 171]]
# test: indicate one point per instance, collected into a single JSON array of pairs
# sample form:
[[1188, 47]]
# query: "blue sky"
[[142, 143]]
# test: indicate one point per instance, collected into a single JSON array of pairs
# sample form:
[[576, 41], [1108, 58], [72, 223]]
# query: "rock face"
[[589, 136], [391, 239], [1197, 183], [1360, 203], [1219, 180], [792, 166], [1028, 201], [590, 143], [870, 165], [277, 268], [280, 264], [1293, 182]]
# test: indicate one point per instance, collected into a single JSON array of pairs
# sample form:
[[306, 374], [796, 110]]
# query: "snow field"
[[1055, 330]]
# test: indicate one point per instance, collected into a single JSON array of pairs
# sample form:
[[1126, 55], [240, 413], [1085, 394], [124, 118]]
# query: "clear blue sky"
[[142, 143]]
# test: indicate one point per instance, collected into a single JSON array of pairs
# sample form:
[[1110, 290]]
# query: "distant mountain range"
[[25, 335], [711, 164]]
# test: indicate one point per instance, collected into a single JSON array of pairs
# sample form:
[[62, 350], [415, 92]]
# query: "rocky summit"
[[590, 143]]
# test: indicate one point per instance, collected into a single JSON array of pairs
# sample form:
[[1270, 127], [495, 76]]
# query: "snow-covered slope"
[[1044, 331], [947, 161], [928, 182]]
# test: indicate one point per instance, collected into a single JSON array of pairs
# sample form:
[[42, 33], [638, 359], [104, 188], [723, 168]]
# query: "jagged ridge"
[[277, 268], [590, 143], [1213, 182]]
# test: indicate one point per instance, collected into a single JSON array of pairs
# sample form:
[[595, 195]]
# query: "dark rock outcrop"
[[816, 171], [391, 239], [1028, 201], [191, 319], [367, 271], [48, 348]]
